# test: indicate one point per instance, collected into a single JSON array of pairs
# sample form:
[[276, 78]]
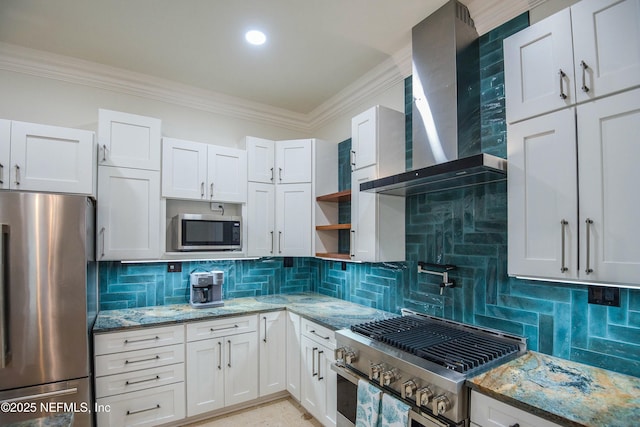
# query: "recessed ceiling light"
[[255, 37]]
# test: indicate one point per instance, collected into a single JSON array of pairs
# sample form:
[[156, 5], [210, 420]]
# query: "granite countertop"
[[330, 312], [564, 392], [64, 419]]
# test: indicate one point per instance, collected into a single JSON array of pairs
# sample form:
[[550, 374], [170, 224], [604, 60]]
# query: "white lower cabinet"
[[221, 370], [273, 352], [489, 412], [143, 386], [318, 381], [294, 352]]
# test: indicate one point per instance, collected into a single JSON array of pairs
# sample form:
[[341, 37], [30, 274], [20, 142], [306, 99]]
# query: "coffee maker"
[[206, 289]]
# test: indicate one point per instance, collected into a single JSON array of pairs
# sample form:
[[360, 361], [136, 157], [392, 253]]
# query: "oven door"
[[347, 396]]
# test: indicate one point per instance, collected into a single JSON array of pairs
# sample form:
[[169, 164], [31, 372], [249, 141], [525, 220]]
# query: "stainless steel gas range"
[[420, 359]]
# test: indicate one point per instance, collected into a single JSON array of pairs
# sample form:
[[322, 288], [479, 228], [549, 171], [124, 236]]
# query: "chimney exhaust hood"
[[445, 110]]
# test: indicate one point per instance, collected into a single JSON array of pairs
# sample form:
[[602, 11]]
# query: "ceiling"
[[314, 49]]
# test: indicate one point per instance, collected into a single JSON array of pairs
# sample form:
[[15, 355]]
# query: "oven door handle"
[[345, 373]]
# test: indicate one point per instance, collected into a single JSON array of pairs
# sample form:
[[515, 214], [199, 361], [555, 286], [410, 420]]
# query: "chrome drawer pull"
[[157, 377], [318, 335], [224, 329], [126, 362], [144, 410], [142, 340]]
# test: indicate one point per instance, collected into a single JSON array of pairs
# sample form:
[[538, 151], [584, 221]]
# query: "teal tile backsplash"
[[465, 227]]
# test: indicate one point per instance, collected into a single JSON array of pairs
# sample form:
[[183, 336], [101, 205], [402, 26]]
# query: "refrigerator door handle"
[[4, 256], [41, 396]]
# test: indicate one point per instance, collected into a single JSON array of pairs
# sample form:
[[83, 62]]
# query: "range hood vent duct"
[[446, 150]]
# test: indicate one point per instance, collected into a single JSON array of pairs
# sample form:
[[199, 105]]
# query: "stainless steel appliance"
[[420, 359], [47, 305], [197, 232], [206, 289]]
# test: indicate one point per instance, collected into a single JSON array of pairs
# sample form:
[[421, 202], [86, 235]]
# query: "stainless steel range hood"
[[446, 148]]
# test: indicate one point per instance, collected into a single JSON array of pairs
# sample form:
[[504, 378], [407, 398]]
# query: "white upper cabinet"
[[128, 140], [260, 218], [606, 39], [538, 68], [197, 171], [293, 220], [608, 153], [49, 158], [378, 138], [260, 159], [542, 191], [5, 152], [293, 161]]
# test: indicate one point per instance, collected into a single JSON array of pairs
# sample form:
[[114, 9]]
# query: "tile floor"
[[280, 413]]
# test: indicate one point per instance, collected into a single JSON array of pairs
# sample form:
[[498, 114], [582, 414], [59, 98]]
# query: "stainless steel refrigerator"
[[48, 303]]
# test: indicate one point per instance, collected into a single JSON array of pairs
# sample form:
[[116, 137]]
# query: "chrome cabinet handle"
[[202, 189], [584, 67], [280, 174], [562, 76], [156, 357], [279, 242], [229, 361], [271, 251], [320, 377], [103, 232], [318, 335], [104, 152], [223, 329], [352, 243], [157, 377], [588, 222], [17, 175], [271, 174], [1, 173], [219, 355], [265, 329], [563, 224], [211, 192], [141, 340], [353, 159], [4, 282], [313, 361], [153, 408]]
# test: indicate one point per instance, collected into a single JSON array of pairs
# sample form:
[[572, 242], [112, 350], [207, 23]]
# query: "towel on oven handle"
[[368, 407], [394, 413]]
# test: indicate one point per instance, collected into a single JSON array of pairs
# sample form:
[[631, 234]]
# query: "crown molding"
[[71, 70]]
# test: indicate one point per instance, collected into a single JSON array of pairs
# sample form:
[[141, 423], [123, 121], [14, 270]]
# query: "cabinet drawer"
[[138, 339], [489, 412], [319, 334], [157, 405], [139, 380], [129, 361], [221, 327]]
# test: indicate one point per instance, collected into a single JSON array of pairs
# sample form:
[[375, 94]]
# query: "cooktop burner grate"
[[454, 348]]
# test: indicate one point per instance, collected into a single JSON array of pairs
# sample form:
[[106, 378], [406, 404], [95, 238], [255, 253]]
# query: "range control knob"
[[350, 357], [387, 378], [408, 389], [424, 396], [338, 353], [374, 371], [441, 404]]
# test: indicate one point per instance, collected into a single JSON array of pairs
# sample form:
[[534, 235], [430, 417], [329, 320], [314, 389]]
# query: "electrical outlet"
[[604, 295], [174, 267], [288, 261]]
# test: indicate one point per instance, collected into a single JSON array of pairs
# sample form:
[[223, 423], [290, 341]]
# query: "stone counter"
[[330, 312], [564, 392]]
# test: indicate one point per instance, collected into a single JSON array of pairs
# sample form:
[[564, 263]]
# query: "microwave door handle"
[[4, 282]]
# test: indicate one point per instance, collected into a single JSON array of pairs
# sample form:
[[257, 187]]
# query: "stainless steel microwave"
[[195, 232]]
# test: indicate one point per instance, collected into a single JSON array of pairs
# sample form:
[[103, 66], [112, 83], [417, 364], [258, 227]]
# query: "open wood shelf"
[[334, 227], [333, 256], [340, 196]]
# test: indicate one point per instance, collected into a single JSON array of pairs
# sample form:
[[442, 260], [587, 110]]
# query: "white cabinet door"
[[293, 219], [5, 152], [51, 158], [227, 174], [606, 37], [330, 380], [294, 352], [241, 371], [312, 390], [542, 191], [128, 140], [293, 161], [128, 214], [363, 217], [205, 376], [260, 160], [272, 352], [363, 140], [608, 153], [260, 218], [184, 169], [538, 68]]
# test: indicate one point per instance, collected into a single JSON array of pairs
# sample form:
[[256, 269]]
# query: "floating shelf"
[[333, 256], [340, 196], [334, 227]]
